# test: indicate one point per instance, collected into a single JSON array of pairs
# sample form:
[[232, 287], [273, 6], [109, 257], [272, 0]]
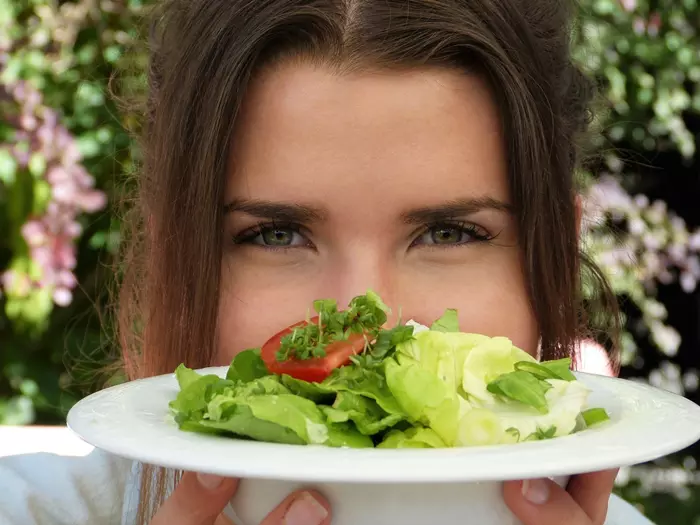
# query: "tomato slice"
[[316, 369]]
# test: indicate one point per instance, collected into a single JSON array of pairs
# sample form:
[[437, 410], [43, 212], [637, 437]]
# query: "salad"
[[342, 379]]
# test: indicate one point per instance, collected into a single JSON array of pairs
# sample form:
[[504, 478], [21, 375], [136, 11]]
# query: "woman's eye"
[[451, 234], [276, 237], [273, 237]]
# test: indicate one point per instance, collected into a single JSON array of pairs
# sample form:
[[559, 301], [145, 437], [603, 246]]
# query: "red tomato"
[[316, 369]]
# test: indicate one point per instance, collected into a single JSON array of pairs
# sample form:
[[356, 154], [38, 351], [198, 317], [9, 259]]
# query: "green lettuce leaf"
[[561, 368], [489, 359], [305, 419], [195, 392], [523, 387], [247, 366], [369, 383], [424, 397], [186, 376], [240, 421], [316, 392], [449, 322], [593, 416], [262, 409], [416, 437], [365, 413]]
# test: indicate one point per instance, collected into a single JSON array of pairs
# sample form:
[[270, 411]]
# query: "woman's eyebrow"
[[277, 211], [457, 208]]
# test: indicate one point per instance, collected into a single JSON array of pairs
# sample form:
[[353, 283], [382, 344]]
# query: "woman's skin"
[[391, 181]]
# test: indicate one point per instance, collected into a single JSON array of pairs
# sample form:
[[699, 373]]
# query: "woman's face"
[[391, 181]]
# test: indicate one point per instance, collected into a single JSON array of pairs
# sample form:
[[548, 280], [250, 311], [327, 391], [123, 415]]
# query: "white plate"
[[132, 420]]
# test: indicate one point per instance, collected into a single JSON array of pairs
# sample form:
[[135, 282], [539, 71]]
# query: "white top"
[[52, 489]]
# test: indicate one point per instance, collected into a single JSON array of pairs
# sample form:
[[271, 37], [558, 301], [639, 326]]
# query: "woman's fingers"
[[543, 502], [197, 500], [300, 508], [592, 493]]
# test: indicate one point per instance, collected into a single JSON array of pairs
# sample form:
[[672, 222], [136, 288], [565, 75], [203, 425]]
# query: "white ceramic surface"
[[387, 487], [478, 503]]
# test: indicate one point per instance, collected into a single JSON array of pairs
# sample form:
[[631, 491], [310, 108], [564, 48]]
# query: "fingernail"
[[305, 510], [209, 481], [536, 491]]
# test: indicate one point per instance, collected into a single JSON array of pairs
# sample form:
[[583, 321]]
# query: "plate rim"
[[253, 468]]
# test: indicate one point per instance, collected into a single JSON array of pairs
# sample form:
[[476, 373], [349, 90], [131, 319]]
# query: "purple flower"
[[51, 235], [62, 296], [629, 5]]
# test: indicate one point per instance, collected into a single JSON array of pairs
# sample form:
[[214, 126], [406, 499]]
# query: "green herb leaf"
[[449, 322], [536, 369], [386, 342], [561, 368], [523, 387], [514, 432], [593, 416], [326, 307], [365, 314], [541, 434]]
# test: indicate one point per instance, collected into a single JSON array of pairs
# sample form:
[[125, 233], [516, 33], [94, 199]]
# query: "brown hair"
[[204, 53]]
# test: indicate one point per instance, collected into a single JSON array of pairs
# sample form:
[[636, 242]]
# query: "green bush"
[[63, 149]]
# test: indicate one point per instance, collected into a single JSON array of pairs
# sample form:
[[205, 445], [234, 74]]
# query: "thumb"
[[197, 500]]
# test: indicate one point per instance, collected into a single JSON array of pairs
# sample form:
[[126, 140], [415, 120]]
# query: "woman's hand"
[[543, 502], [199, 499]]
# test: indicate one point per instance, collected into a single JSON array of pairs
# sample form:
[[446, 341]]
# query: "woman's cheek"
[[491, 299], [487, 288], [255, 303]]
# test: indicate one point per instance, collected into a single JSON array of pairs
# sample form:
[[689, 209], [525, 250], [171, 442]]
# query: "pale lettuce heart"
[[426, 377], [490, 358], [442, 353], [424, 397], [510, 422]]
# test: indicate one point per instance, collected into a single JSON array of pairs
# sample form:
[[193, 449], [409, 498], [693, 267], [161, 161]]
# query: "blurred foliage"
[[65, 152], [63, 148], [646, 55]]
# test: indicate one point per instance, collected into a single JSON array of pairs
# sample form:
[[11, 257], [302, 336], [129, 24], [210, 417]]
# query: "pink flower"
[[92, 201], [34, 233], [62, 296], [629, 5]]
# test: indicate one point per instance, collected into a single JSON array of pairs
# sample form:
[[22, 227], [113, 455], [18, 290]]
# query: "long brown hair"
[[203, 55]]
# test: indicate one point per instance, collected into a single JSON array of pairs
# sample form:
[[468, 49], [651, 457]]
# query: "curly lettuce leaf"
[[247, 366], [195, 392], [365, 413], [262, 409], [305, 419], [368, 383], [316, 392], [424, 397], [448, 322], [416, 437]]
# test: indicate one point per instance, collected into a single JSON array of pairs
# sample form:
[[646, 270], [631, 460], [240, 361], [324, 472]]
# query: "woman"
[[305, 149]]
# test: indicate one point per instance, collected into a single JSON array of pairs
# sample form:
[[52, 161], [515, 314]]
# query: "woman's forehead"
[[306, 133]]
